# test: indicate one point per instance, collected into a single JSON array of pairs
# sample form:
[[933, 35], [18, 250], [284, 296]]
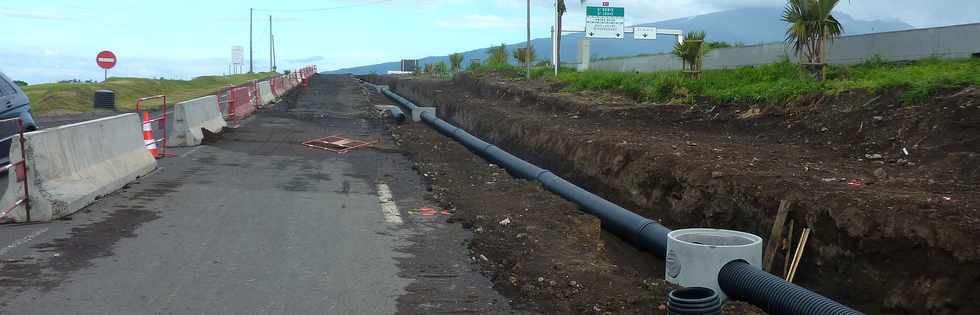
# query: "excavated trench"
[[875, 264]]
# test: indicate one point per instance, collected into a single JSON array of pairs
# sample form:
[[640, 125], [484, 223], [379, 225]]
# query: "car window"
[[6, 89]]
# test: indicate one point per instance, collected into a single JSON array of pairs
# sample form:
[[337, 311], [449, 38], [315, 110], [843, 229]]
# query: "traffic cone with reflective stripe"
[[148, 140]]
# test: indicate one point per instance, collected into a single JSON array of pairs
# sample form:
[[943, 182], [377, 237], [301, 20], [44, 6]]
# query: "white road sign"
[[642, 33], [605, 22], [237, 55]]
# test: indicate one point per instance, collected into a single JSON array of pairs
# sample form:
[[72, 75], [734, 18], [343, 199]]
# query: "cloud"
[[305, 60], [477, 21], [35, 15]]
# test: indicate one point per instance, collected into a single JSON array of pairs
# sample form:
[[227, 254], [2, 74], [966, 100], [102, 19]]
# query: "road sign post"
[[605, 22], [106, 60]]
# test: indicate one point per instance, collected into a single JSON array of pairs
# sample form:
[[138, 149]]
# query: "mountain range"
[[747, 26]]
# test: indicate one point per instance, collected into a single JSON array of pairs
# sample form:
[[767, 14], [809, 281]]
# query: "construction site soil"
[[889, 189]]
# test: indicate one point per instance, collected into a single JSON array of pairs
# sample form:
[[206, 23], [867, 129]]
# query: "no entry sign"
[[106, 59]]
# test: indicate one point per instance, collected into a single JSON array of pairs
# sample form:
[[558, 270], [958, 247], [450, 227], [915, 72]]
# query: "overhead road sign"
[[645, 33], [605, 22]]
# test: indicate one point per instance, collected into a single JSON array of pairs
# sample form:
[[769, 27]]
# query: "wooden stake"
[[789, 247], [799, 255], [776, 236]]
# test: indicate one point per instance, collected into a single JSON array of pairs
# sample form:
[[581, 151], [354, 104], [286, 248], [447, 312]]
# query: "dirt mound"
[[889, 190]]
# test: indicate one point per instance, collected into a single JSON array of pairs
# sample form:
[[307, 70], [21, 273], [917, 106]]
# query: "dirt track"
[[893, 232]]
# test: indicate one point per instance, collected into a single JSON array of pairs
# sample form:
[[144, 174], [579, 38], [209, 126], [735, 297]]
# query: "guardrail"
[[20, 170]]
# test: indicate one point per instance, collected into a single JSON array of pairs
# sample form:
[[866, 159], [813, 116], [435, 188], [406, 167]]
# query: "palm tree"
[[562, 9], [691, 52], [456, 62], [812, 26]]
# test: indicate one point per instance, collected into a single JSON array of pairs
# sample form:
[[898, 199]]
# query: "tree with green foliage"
[[524, 57], [812, 26], [691, 52], [456, 62], [497, 55]]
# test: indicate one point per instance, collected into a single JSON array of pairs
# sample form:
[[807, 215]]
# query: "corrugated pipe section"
[[738, 279]]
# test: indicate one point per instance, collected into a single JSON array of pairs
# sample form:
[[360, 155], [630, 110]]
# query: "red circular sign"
[[106, 59]]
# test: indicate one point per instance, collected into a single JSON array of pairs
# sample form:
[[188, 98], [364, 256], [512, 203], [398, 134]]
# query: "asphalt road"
[[255, 223]]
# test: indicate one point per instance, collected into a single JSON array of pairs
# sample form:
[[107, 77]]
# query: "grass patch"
[[781, 82], [56, 98]]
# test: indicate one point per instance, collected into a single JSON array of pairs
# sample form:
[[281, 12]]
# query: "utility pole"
[[556, 40], [527, 49], [251, 61], [272, 49]]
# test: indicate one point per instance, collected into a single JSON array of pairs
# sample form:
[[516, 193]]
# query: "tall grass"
[[781, 82], [60, 98]]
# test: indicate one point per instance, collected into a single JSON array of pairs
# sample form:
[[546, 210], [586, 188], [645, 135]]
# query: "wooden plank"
[[789, 247], [799, 255], [776, 236]]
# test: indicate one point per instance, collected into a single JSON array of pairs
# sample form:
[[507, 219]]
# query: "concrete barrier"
[[70, 166], [265, 93], [191, 118]]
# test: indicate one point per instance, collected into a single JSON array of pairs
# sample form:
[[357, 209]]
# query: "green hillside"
[[64, 98]]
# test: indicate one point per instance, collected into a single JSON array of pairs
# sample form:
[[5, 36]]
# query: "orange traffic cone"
[[148, 140]]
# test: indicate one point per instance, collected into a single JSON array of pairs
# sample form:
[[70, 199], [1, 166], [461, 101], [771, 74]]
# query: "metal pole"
[[527, 49], [251, 55], [272, 57], [556, 39]]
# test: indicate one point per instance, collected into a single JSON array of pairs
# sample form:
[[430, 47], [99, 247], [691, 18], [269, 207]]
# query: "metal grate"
[[336, 144]]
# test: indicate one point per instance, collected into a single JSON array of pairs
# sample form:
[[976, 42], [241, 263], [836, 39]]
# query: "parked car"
[[13, 104]]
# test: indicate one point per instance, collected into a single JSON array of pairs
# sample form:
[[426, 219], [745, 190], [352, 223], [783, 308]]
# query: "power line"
[[328, 8]]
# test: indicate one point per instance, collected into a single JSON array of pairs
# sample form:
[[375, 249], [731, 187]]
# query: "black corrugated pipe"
[[739, 280], [748, 283], [693, 301]]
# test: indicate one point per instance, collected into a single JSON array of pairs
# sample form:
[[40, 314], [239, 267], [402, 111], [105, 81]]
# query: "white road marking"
[[22, 241], [388, 207], [189, 152]]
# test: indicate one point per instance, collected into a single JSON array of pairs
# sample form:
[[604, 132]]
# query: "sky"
[[51, 40]]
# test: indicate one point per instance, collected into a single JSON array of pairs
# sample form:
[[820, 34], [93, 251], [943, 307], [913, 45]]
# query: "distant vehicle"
[[13, 104]]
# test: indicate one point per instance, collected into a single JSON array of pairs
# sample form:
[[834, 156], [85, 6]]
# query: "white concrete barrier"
[[70, 166], [265, 93], [191, 118]]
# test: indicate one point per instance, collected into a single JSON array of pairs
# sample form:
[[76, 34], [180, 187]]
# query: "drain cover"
[[336, 144]]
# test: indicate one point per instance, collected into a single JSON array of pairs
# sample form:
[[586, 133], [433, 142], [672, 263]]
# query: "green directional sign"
[[605, 11], [605, 22]]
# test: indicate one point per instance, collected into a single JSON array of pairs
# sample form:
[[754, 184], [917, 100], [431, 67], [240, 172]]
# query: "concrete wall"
[[951, 42], [192, 117], [70, 166], [265, 93]]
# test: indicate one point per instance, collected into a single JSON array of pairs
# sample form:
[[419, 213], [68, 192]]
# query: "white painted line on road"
[[189, 152], [22, 241], [388, 207]]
